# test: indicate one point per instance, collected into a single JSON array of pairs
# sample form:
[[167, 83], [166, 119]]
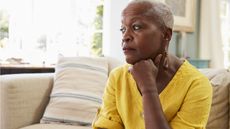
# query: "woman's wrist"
[[149, 92], [149, 87]]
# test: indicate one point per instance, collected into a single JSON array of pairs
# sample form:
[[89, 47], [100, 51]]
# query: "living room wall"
[[192, 39], [112, 35]]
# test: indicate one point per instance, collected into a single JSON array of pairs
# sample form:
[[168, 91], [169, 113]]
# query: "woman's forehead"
[[134, 18], [139, 11], [136, 9]]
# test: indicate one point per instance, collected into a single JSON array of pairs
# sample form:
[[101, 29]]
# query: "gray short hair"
[[161, 10]]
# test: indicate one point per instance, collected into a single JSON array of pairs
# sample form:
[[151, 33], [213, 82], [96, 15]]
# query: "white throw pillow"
[[77, 92]]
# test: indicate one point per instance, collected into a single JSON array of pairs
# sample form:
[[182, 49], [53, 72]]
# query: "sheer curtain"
[[225, 28], [211, 46]]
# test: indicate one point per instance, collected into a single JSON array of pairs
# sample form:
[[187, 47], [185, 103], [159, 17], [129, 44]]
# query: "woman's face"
[[142, 39]]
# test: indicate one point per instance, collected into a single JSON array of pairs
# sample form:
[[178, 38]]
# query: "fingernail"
[[129, 69], [165, 63]]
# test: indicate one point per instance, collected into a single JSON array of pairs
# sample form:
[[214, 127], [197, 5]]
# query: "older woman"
[[155, 90]]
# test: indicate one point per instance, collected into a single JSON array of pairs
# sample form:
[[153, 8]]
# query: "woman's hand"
[[145, 73]]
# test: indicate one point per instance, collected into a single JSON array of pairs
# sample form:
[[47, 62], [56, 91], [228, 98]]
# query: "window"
[[97, 36], [4, 30], [38, 31], [225, 27]]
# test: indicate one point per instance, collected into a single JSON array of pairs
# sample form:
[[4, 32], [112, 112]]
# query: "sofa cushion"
[[54, 126], [220, 81], [78, 87], [23, 98]]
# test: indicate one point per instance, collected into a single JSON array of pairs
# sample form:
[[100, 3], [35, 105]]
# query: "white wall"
[[111, 25]]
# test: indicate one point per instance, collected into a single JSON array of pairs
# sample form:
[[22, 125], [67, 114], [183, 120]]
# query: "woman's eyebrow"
[[136, 18]]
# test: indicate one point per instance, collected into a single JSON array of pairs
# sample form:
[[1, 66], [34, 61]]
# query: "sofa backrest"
[[219, 114], [113, 62]]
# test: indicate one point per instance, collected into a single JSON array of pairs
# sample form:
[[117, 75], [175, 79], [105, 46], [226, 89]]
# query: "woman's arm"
[[146, 81], [107, 116], [194, 110], [153, 113]]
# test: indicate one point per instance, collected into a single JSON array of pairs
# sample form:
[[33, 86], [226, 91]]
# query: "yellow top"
[[186, 101]]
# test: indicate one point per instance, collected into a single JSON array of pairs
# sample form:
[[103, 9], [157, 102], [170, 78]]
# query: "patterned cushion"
[[78, 87]]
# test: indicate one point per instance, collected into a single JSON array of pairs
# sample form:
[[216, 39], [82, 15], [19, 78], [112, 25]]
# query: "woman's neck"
[[165, 75]]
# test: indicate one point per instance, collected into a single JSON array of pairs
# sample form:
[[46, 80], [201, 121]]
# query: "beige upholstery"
[[19, 111], [54, 126], [219, 109], [17, 91], [219, 115], [23, 98]]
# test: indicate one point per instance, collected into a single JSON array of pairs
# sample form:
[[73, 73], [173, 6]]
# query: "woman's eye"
[[122, 30], [136, 27]]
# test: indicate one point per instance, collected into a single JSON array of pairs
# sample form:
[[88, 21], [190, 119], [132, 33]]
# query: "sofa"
[[19, 112]]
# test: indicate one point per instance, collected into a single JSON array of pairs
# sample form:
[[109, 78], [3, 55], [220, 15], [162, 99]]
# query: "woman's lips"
[[128, 50]]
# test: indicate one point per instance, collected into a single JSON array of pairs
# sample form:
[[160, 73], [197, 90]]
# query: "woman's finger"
[[157, 60]]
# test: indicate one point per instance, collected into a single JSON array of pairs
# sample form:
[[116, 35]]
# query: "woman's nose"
[[127, 37]]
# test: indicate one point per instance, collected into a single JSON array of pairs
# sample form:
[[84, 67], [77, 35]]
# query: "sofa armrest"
[[23, 98]]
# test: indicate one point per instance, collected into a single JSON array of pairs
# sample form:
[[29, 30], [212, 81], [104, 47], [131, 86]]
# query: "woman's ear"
[[168, 34]]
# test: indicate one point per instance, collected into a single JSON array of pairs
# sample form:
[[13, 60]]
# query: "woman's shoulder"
[[189, 79], [188, 71], [196, 82], [120, 69], [119, 74], [185, 71], [187, 75]]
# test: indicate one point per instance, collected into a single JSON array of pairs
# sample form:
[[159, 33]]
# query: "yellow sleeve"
[[194, 112], [107, 116]]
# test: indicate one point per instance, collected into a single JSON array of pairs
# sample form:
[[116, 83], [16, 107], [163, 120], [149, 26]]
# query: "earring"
[[165, 63]]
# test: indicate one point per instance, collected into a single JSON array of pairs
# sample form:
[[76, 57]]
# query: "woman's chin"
[[131, 61]]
